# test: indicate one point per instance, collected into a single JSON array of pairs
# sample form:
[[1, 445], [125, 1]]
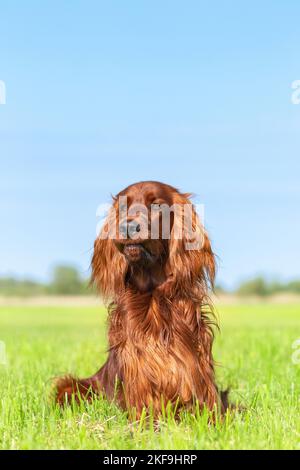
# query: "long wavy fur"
[[160, 336]]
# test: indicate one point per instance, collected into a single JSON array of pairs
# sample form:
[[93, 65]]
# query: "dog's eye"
[[157, 203], [155, 206]]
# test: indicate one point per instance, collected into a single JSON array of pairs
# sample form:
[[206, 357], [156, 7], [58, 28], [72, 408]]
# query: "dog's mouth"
[[134, 252]]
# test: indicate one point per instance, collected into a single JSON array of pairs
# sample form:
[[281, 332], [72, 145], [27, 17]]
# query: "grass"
[[254, 348]]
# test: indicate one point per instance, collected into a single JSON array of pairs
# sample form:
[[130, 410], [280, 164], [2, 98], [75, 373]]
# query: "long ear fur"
[[108, 265], [192, 270]]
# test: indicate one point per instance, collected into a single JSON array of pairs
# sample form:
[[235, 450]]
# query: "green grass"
[[254, 349]]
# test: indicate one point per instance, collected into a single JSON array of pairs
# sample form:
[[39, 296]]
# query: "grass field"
[[254, 349]]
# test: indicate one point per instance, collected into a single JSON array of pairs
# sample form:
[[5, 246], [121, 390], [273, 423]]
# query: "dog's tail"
[[68, 389]]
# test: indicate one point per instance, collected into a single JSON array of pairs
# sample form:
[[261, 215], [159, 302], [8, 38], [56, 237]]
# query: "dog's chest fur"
[[157, 350]]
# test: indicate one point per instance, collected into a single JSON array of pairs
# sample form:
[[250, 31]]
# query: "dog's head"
[[151, 228]]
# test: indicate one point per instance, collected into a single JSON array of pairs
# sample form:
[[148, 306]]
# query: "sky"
[[196, 94]]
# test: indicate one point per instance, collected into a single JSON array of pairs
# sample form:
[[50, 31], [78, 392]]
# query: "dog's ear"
[[191, 260], [108, 265]]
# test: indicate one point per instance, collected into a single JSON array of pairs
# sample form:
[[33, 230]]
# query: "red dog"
[[160, 320]]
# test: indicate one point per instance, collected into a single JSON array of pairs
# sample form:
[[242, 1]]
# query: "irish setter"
[[160, 320]]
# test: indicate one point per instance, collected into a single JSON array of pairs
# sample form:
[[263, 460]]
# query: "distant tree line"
[[67, 280], [263, 288]]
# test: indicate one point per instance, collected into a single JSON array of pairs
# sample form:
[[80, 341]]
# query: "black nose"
[[129, 230], [133, 229]]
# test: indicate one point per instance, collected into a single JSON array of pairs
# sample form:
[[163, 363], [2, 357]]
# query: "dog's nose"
[[129, 229], [133, 228]]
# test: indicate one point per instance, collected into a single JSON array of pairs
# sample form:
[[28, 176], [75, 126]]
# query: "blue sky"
[[196, 94]]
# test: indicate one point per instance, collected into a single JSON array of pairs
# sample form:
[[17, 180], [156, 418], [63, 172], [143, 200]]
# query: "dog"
[[161, 322]]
